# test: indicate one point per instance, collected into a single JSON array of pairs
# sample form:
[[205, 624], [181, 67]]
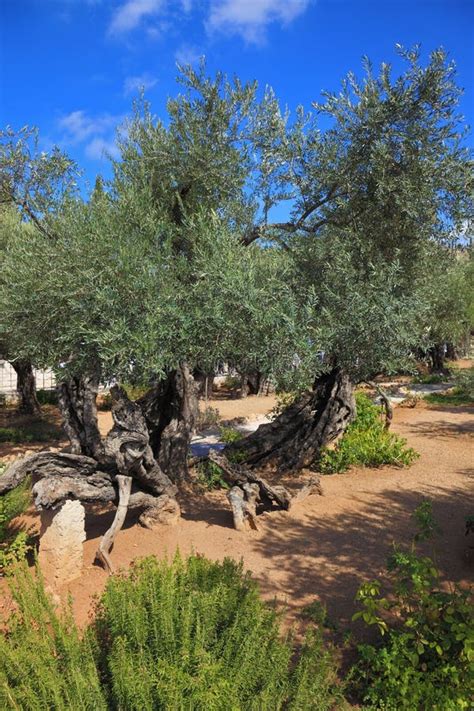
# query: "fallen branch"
[[250, 491]]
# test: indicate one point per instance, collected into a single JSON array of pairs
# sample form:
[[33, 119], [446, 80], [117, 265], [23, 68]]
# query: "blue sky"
[[72, 67]]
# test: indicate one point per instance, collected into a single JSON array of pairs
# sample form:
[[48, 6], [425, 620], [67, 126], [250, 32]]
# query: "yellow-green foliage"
[[367, 443], [191, 635], [13, 541]]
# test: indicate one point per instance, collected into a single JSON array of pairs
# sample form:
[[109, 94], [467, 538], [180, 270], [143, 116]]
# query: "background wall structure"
[[45, 379]]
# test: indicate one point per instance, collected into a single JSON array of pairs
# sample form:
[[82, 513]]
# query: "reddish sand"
[[327, 545]]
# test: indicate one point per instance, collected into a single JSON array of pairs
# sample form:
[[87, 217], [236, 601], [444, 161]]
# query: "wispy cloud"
[[100, 148], [133, 84], [96, 133], [187, 54], [132, 13], [250, 18]]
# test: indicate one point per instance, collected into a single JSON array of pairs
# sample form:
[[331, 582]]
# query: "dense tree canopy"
[[176, 257]]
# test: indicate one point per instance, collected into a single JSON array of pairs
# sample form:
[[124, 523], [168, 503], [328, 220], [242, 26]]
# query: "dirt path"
[[328, 545]]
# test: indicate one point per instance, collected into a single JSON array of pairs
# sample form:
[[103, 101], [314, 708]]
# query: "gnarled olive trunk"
[[78, 405], [295, 438], [26, 387], [170, 410]]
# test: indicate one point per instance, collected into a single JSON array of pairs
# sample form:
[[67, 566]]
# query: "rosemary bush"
[[188, 635]]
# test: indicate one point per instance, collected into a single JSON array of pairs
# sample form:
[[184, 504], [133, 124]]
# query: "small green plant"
[[236, 456], [367, 443], [192, 634], [425, 655], [14, 543], [317, 613], [47, 397], [229, 435], [209, 476]]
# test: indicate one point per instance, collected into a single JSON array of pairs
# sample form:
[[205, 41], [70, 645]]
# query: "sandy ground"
[[328, 544]]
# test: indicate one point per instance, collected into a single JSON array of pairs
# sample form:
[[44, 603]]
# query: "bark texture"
[[295, 438], [77, 403], [26, 387], [124, 472], [170, 411]]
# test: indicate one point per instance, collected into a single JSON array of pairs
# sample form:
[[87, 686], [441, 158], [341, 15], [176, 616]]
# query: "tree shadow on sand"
[[327, 557]]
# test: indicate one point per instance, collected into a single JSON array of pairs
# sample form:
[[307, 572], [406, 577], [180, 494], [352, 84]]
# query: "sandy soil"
[[327, 545]]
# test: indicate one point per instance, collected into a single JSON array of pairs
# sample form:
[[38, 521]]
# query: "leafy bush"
[[14, 544], [367, 443], [229, 435], [464, 382], [47, 397], [424, 659], [190, 635], [461, 394], [209, 476]]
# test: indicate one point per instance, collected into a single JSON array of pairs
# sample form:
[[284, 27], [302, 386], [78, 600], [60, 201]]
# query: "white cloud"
[[133, 84], [96, 133], [129, 15], [78, 126], [250, 18], [100, 148], [187, 54]]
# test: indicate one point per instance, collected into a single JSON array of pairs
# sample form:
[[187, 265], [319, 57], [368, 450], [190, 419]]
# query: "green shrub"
[[229, 435], [461, 394], [47, 397], [367, 443], [209, 476], [14, 543], [424, 659], [45, 663], [464, 382], [191, 635]]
